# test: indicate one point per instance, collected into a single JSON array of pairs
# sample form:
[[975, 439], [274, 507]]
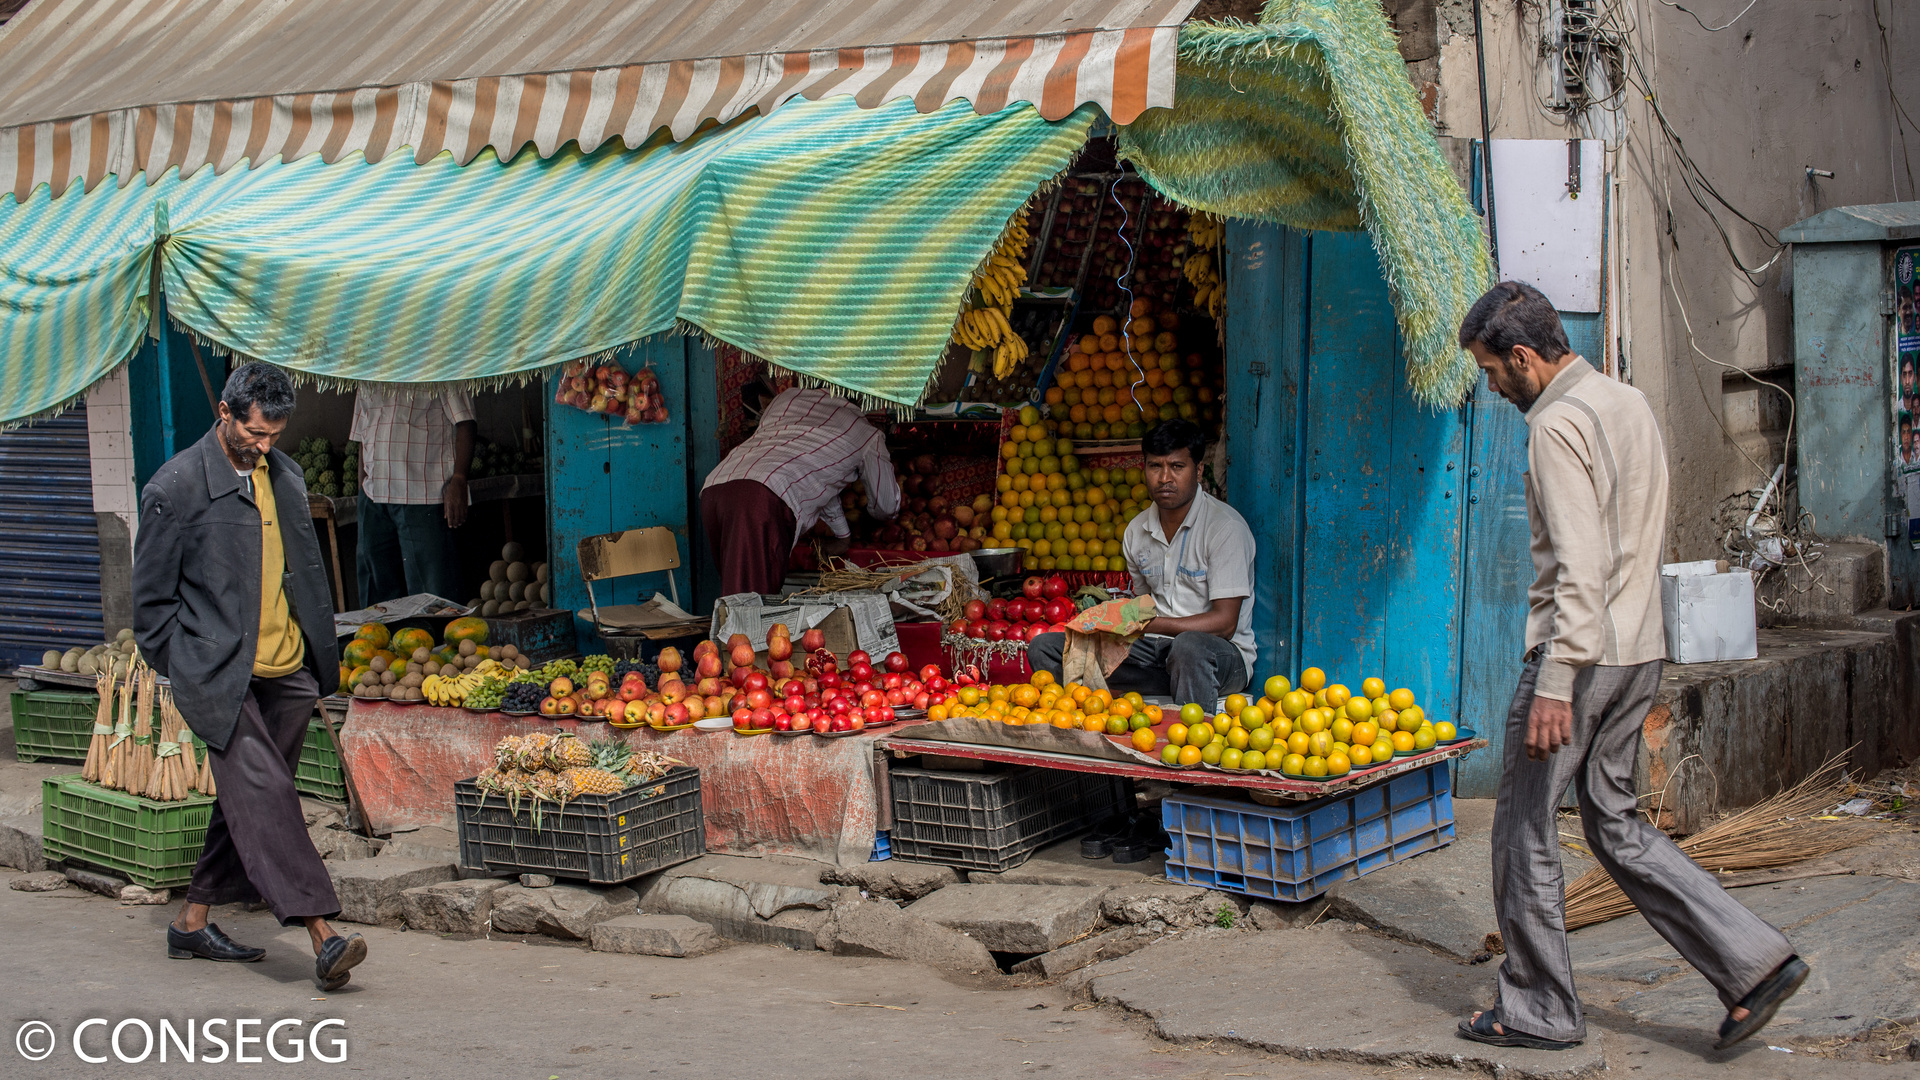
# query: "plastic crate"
[[994, 821], [150, 843], [53, 725], [1298, 852], [882, 847], [600, 839], [319, 773], [540, 635]]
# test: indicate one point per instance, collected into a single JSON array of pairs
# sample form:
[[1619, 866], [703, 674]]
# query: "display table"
[[767, 794]]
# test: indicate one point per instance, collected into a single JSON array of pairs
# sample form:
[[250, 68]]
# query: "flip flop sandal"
[[1763, 1001], [1481, 1031]]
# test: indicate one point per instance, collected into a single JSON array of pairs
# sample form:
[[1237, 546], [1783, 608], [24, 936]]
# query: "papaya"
[[373, 632], [469, 628], [359, 651], [351, 677], [410, 639], [388, 656]]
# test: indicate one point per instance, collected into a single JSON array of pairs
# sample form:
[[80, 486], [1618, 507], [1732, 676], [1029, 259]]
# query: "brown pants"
[[257, 845], [750, 533]]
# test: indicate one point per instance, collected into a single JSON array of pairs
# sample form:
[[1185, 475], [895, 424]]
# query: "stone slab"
[[1323, 994], [1165, 905], [771, 885], [1442, 898], [569, 912], [880, 928], [894, 879], [369, 889], [654, 935], [20, 843], [40, 881], [451, 907], [1857, 933], [1015, 918], [435, 842], [1061, 864], [725, 906], [333, 843], [1066, 959]]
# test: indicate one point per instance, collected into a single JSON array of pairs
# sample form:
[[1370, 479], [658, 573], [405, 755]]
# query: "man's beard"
[[1520, 390], [243, 453]]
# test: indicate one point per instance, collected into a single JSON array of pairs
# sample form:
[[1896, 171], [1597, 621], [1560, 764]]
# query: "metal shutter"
[[49, 540]]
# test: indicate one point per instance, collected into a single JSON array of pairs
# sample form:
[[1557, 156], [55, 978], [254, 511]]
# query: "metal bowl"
[[999, 562]]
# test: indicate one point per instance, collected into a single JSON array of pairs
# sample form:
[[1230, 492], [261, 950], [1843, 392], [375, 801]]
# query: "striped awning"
[[123, 88]]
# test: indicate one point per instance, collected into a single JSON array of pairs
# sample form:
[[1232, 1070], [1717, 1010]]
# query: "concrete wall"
[[116, 499], [1788, 86]]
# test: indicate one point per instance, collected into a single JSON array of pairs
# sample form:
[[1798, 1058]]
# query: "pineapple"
[[568, 752], [532, 753], [544, 784], [593, 781]]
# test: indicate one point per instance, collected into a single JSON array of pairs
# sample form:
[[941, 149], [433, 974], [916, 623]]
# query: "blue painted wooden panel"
[[703, 449], [603, 475], [1266, 339], [193, 414], [1383, 523]]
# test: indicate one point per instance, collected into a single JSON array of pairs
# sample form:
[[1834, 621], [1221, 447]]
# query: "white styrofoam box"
[[1708, 616]]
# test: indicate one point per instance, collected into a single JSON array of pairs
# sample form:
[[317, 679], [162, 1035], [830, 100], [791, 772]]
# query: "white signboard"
[[1549, 237]]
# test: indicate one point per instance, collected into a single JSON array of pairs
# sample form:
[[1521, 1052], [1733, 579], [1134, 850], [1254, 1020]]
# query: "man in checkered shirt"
[[415, 448]]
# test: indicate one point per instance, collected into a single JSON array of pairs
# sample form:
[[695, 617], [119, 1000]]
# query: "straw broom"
[[172, 772], [114, 770], [1776, 832], [140, 759], [102, 728]]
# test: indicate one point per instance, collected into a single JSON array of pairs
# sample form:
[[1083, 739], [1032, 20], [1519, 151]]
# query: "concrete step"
[[1845, 579]]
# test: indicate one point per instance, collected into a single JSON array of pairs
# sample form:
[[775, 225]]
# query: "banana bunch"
[[998, 283], [988, 328], [453, 689], [1201, 268]]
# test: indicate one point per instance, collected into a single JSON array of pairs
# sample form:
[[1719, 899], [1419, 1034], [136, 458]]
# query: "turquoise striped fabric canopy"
[[833, 240]]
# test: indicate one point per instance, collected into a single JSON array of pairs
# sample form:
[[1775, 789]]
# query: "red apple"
[[755, 681], [779, 647], [813, 640], [743, 718], [633, 690], [672, 690], [741, 655], [568, 706], [677, 714], [550, 706], [617, 711], [779, 629], [706, 647], [739, 675], [781, 669], [656, 713], [668, 660], [709, 687], [707, 665]]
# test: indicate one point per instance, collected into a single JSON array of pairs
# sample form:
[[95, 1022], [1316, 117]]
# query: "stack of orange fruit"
[[1065, 517], [1124, 377], [1042, 700]]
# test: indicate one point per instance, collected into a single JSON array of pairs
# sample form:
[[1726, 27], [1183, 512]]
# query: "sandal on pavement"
[[1481, 1030], [338, 955], [1763, 1001]]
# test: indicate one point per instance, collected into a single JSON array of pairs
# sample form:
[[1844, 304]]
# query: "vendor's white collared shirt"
[[1210, 558]]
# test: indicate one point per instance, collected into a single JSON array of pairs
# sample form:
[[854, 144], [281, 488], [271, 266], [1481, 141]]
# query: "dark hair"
[[1510, 314], [256, 384], [1169, 435]]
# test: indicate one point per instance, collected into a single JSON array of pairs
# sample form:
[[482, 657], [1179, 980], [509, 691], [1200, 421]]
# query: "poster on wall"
[[1906, 383]]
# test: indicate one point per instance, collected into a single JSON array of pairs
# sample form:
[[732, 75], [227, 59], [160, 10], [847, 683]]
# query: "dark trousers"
[[257, 844], [750, 534], [1187, 667], [1731, 946], [406, 548]]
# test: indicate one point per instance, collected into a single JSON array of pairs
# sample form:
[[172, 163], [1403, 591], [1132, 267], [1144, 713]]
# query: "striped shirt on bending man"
[[810, 446]]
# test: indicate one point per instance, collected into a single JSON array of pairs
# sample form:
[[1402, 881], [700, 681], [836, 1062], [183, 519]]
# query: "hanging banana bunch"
[[1201, 267], [998, 283]]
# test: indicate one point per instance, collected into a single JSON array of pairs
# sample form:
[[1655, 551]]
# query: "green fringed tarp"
[[835, 241], [1307, 119]]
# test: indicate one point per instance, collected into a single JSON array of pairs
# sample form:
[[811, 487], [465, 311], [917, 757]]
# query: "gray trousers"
[[406, 548], [1725, 942], [257, 845], [1189, 666]]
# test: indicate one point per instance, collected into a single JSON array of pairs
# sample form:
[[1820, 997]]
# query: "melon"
[[406, 641], [373, 632], [467, 629], [352, 676], [358, 651]]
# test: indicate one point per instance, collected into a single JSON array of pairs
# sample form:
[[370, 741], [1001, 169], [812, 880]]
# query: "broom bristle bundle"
[[1776, 832]]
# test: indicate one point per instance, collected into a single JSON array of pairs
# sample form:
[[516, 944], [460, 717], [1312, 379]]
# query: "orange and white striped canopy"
[[97, 88]]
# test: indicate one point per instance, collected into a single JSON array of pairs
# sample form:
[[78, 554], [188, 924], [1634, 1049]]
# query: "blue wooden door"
[[603, 476], [1354, 492]]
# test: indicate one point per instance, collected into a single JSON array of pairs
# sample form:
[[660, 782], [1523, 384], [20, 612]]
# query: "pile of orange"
[[1123, 378], [1063, 516], [1042, 700]]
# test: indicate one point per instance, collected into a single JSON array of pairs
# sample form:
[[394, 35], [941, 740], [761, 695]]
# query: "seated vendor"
[[1194, 554]]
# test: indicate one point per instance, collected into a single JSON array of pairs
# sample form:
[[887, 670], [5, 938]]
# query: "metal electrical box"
[[1856, 343]]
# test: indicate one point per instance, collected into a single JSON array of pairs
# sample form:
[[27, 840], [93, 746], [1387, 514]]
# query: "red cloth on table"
[[749, 531]]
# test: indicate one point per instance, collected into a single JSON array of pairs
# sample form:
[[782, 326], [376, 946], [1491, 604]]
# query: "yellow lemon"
[[1277, 686], [1230, 759], [1445, 731], [1253, 759]]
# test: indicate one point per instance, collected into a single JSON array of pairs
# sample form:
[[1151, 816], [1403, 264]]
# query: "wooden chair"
[[625, 553]]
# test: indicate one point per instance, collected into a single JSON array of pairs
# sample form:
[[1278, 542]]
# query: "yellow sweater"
[[281, 649]]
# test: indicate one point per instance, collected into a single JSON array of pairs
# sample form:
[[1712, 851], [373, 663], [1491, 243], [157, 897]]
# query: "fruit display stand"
[[761, 794]]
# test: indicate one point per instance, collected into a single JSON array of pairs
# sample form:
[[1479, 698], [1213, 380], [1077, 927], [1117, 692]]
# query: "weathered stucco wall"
[[1785, 88]]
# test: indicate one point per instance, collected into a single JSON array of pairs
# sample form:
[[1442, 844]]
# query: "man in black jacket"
[[231, 604]]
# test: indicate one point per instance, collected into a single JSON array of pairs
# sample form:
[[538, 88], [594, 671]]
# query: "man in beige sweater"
[[1596, 486]]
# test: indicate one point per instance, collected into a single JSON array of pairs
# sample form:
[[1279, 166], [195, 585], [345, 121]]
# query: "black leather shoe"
[[338, 955], [208, 943], [1100, 843], [338, 981]]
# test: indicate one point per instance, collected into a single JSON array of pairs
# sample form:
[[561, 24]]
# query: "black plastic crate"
[[994, 821], [599, 839]]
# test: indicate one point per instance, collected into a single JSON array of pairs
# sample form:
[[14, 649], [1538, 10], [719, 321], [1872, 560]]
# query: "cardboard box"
[[1709, 616]]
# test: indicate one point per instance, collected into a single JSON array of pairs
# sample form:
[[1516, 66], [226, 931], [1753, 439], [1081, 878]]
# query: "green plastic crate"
[[320, 774], [150, 843], [53, 725]]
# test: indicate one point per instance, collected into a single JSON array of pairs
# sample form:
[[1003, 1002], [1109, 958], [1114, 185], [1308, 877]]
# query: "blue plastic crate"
[[882, 847], [1298, 852]]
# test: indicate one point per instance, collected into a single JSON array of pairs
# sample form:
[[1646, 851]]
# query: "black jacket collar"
[[222, 480]]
